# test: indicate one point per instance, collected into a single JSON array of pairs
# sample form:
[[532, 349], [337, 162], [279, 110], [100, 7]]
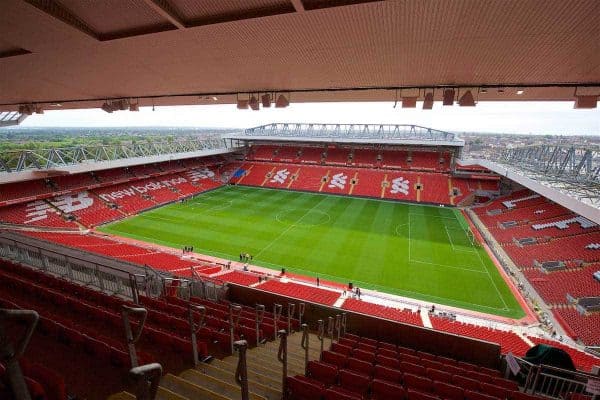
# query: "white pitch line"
[[288, 228]]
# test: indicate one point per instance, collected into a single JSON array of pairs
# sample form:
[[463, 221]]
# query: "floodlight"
[[253, 103], [448, 98], [265, 99], [428, 102]]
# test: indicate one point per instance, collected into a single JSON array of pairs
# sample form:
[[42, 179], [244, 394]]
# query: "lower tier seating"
[[359, 368], [298, 291], [376, 310], [508, 341]]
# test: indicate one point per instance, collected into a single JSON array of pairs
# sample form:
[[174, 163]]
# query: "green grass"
[[417, 251]]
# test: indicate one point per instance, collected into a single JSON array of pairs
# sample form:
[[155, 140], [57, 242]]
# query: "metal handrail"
[[241, 371], [291, 309], [277, 308], [301, 309], [131, 338], [194, 329], [260, 314], [321, 336], [305, 345], [235, 310], [282, 357], [10, 354], [147, 378]]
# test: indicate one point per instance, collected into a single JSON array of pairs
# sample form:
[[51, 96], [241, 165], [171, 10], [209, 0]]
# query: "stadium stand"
[[584, 327], [358, 368], [37, 213], [298, 291], [509, 341], [582, 360], [126, 252], [394, 314]]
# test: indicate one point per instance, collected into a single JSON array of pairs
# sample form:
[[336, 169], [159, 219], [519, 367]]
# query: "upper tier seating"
[[365, 157], [264, 153], [19, 190], [337, 156], [286, 154], [37, 213], [312, 155], [509, 341], [376, 310], [298, 291], [76, 181]]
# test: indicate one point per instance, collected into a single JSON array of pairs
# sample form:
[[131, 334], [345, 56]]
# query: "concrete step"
[[269, 366], [267, 392], [295, 351], [190, 390], [121, 396], [166, 394], [228, 375], [216, 385]]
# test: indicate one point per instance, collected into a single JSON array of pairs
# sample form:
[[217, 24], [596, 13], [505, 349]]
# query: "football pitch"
[[416, 251]]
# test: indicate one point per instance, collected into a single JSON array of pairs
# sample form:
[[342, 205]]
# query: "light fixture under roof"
[[428, 101], [265, 99], [107, 107], [134, 107], [448, 98], [583, 102], [253, 103], [242, 104], [483, 90], [467, 100], [409, 102], [520, 91], [282, 102]]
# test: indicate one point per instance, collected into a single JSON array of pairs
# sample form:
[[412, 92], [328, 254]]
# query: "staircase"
[[216, 380]]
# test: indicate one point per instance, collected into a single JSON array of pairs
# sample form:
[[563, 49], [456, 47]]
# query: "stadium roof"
[[57, 54], [381, 134]]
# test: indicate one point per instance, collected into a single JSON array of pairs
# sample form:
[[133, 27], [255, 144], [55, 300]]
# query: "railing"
[[89, 273], [146, 377], [553, 382], [10, 353], [282, 357]]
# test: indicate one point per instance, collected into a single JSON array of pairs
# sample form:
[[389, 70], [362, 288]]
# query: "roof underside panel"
[[111, 48]]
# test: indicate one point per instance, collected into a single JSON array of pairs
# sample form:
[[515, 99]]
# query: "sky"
[[557, 118]]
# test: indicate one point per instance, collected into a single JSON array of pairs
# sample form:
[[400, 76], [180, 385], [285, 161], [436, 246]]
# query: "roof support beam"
[[164, 9], [298, 5], [57, 11]]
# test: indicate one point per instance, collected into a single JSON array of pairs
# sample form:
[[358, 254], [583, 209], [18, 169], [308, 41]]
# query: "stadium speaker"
[[242, 104], [282, 102], [409, 102], [467, 100], [253, 103], [448, 98], [134, 107], [428, 102], [586, 101], [265, 99], [107, 107]]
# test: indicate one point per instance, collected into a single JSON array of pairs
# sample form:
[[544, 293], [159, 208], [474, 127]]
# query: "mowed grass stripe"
[[345, 239]]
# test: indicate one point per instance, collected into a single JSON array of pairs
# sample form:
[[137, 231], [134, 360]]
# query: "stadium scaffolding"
[[572, 170], [44, 159], [352, 131]]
